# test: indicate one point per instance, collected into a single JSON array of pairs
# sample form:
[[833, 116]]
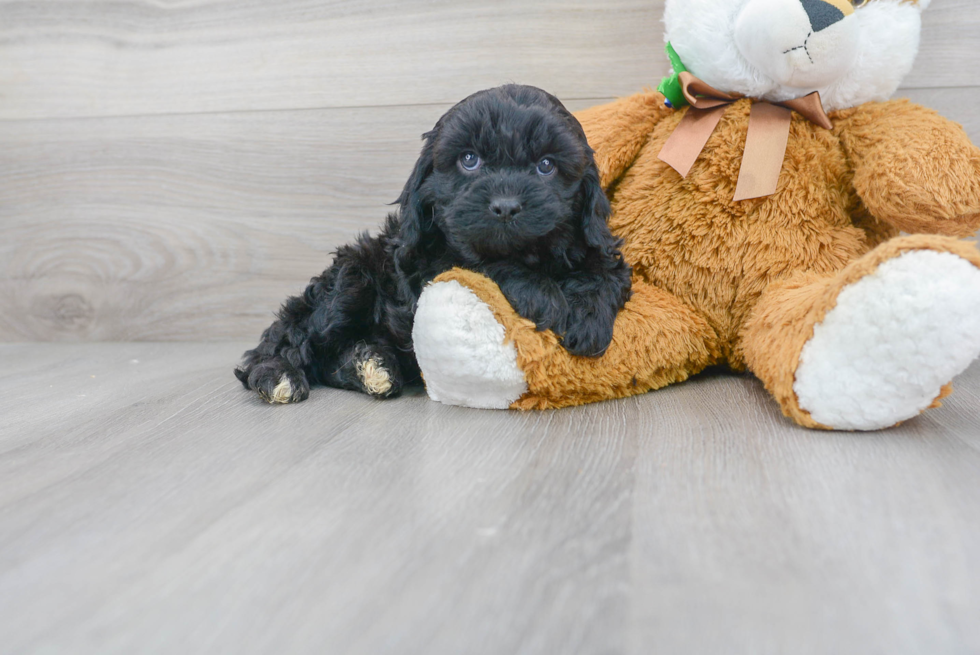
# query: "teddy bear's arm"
[[618, 130], [475, 350], [913, 168]]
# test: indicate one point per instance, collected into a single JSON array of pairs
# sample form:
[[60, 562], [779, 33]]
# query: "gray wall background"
[[171, 170]]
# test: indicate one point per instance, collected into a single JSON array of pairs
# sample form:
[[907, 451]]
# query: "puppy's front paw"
[[275, 381], [544, 305], [548, 311], [587, 335]]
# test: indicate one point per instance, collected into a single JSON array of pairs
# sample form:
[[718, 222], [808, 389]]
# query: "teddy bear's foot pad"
[[892, 341], [460, 348]]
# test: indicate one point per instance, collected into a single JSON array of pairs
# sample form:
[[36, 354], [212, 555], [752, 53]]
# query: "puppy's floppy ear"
[[594, 206], [415, 222], [603, 254], [414, 212], [595, 211]]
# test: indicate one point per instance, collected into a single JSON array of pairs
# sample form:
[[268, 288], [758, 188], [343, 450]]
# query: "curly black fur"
[[537, 228]]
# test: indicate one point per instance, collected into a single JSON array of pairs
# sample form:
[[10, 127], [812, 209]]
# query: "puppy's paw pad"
[[461, 350], [584, 340], [375, 378]]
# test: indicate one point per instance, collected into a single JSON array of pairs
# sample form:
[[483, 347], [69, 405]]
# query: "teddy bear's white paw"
[[895, 337], [461, 351]]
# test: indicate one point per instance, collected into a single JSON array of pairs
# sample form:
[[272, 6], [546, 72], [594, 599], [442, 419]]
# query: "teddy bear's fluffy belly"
[[688, 237]]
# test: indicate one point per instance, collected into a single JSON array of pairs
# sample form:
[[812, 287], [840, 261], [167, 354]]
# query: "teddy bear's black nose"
[[822, 14]]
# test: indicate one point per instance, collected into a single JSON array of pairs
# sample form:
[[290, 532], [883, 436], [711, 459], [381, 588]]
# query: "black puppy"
[[506, 185]]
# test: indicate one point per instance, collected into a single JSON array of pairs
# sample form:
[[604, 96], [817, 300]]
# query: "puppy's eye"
[[470, 161], [858, 3], [546, 167]]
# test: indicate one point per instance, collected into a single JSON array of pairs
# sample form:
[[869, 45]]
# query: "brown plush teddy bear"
[[785, 260]]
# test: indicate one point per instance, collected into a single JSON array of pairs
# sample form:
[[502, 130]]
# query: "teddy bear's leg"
[[874, 345], [475, 351]]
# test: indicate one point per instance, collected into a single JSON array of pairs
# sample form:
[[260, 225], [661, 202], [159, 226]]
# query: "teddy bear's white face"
[[805, 44], [852, 51]]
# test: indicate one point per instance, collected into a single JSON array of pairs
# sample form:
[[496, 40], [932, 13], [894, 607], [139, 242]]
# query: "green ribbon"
[[671, 86]]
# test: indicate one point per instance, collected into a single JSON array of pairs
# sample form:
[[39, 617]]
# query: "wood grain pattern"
[[186, 227], [125, 58], [100, 58], [147, 228], [147, 503], [197, 227]]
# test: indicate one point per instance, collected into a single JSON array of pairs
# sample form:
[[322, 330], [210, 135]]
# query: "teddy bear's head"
[[851, 51]]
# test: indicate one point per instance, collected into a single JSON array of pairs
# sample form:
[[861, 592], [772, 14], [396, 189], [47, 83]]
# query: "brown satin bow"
[[765, 143]]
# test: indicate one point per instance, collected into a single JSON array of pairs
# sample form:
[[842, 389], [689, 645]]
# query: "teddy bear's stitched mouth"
[[802, 47]]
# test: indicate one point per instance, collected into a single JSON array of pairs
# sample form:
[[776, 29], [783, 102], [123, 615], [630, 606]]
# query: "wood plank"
[[126, 58], [197, 227], [101, 58], [760, 540], [167, 510], [186, 227], [343, 514]]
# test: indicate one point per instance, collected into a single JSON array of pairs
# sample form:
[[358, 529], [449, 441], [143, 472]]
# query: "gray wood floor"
[[148, 504]]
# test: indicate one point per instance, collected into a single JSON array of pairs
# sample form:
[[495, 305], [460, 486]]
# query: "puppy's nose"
[[823, 14], [505, 208]]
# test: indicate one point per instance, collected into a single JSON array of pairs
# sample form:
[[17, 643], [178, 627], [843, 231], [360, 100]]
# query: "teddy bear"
[[781, 215]]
